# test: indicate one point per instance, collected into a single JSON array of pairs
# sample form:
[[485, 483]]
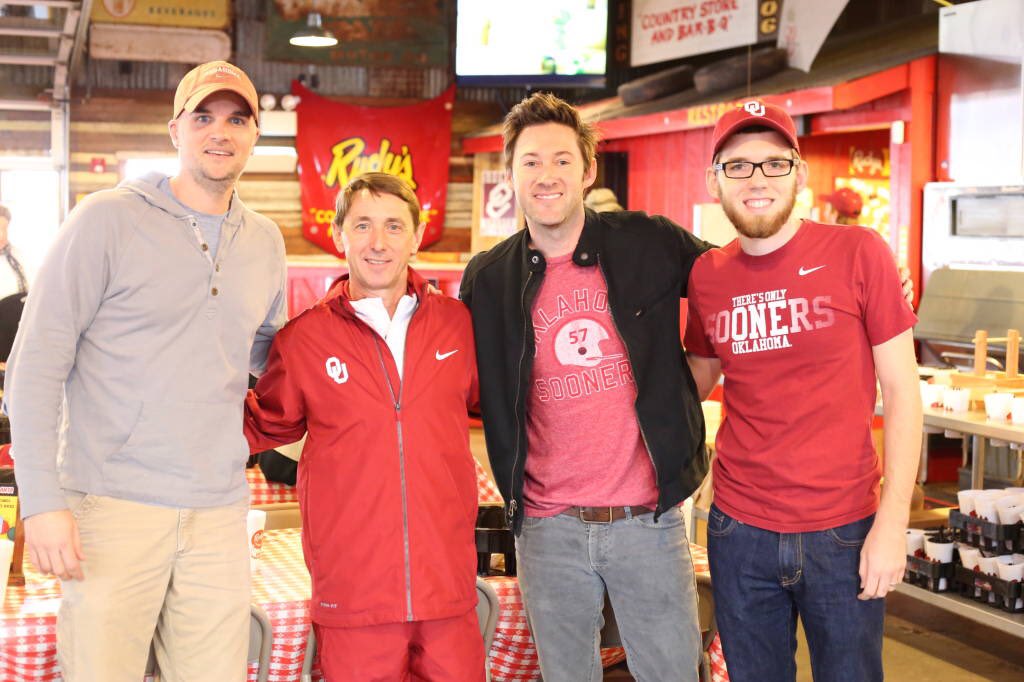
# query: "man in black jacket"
[[591, 416]]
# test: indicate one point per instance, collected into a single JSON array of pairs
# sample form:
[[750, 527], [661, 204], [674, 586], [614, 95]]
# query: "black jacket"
[[646, 263]]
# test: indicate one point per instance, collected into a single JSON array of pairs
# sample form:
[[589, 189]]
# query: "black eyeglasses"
[[740, 170]]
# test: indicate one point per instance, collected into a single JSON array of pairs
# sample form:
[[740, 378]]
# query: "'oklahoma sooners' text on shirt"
[[584, 442], [794, 330]]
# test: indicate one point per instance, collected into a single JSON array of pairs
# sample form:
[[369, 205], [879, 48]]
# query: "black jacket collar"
[[586, 253]]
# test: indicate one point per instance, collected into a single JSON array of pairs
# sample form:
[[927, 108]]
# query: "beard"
[[761, 226]]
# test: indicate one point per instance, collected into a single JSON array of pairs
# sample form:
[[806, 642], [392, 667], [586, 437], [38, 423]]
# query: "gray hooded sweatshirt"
[[130, 367]]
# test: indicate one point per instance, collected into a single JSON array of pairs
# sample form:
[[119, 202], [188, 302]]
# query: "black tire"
[[655, 85], [732, 72]]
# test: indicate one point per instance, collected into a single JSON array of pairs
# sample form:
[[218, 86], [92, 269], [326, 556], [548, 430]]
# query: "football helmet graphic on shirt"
[[578, 343]]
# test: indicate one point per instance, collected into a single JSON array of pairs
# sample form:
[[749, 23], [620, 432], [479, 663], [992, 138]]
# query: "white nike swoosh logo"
[[441, 356], [809, 270]]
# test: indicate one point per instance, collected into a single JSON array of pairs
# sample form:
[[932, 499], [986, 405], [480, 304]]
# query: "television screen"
[[531, 42]]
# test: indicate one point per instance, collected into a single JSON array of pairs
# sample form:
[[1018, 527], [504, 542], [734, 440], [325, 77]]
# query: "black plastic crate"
[[969, 581], [991, 537], [923, 572]]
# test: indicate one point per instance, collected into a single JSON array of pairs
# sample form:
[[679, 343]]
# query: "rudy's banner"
[[337, 142]]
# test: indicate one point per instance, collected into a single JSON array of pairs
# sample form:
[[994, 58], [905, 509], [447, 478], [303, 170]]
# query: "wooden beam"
[[45, 33], [807, 101], [860, 90], [28, 59], [43, 3], [157, 43]]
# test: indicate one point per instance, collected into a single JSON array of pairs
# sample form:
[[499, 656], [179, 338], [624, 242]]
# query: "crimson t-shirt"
[[583, 439], [794, 330]]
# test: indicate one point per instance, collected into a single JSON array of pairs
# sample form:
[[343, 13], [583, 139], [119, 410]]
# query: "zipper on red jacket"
[[639, 424], [397, 400]]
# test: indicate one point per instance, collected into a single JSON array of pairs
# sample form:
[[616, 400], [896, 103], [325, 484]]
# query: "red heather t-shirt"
[[583, 438], [794, 331]]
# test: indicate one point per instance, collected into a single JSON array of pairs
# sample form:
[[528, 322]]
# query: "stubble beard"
[[213, 184]]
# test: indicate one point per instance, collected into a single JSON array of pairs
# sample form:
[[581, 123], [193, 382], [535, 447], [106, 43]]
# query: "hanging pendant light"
[[313, 34]]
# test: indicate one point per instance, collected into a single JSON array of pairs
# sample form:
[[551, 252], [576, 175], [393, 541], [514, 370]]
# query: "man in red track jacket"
[[380, 374]]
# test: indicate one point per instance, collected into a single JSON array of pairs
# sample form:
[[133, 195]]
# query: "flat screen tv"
[[531, 42]]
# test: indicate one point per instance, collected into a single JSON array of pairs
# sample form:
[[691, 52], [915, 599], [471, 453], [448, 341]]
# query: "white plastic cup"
[[1010, 499], [1009, 515], [987, 565], [6, 554], [956, 399], [994, 493], [931, 394], [255, 523], [915, 540], [969, 556], [1008, 569], [997, 406], [985, 507], [966, 499], [938, 551], [1017, 410]]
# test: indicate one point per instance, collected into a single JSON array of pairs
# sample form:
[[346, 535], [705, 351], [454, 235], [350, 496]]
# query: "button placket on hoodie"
[[213, 290]]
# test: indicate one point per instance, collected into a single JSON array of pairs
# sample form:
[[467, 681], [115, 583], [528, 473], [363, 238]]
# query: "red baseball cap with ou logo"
[[753, 113], [211, 77]]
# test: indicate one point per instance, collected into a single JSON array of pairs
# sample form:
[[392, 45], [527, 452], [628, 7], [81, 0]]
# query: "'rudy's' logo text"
[[349, 162]]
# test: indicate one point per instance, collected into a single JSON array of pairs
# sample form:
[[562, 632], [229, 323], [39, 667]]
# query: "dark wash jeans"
[[764, 580]]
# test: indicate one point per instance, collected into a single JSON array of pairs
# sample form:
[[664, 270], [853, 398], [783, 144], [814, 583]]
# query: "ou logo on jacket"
[[337, 370]]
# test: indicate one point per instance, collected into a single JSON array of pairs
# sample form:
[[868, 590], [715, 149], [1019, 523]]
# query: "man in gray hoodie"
[[125, 390]]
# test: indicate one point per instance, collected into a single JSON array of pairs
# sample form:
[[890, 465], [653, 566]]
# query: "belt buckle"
[[579, 512]]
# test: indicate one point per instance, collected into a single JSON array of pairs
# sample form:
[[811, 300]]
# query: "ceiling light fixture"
[[313, 34]]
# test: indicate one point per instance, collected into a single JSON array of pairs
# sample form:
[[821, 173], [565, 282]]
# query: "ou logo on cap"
[[337, 370], [754, 107]]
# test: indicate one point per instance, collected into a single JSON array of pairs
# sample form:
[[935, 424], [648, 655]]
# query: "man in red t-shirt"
[[801, 318]]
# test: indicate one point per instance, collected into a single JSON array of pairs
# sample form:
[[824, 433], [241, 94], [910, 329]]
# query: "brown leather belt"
[[604, 514]]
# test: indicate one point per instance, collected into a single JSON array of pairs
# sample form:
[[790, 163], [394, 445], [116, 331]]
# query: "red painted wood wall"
[[666, 172]]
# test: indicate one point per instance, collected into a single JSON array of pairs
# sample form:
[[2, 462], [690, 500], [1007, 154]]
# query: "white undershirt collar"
[[391, 329]]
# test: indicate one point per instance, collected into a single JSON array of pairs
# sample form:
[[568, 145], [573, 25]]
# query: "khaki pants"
[[177, 578]]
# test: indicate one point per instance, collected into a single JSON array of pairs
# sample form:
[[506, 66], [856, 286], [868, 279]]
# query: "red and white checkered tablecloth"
[[281, 586], [487, 492], [28, 619], [262, 491], [28, 630]]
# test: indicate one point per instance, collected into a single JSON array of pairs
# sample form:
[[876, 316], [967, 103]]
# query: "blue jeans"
[[565, 566], [763, 581]]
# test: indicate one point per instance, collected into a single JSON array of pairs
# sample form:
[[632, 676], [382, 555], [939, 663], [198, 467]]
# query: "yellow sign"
[[708, 114], [8, 510], [869, 162], [180, 13], [349, 162]]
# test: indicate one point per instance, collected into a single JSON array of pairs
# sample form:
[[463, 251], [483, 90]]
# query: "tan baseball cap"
[[211, 77]]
